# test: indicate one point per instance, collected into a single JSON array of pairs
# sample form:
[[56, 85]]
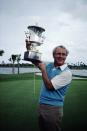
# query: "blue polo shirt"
[[61, 78]]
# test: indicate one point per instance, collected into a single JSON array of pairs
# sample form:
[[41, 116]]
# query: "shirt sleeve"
[[62, 80]]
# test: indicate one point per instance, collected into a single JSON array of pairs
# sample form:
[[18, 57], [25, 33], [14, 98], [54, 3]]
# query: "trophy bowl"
[[32, 56]]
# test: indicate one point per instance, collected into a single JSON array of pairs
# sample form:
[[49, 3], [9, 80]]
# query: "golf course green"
[[19, 96]]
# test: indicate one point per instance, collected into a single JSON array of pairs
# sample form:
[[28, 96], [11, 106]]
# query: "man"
[[56, 79]]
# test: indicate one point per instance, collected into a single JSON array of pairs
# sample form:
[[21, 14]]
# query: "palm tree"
[[18, 59], [15, 57]]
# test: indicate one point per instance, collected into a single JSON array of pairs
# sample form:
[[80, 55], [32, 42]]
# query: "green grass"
[[12, 77], [75, 108], [18, 104]]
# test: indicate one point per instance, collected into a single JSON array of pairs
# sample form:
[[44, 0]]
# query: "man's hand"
[[42, 66], [36, 62]]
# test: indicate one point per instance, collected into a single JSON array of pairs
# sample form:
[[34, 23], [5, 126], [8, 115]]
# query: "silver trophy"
[[33, 39]]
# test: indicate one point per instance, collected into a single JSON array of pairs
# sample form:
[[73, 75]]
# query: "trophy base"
[[32, 56]]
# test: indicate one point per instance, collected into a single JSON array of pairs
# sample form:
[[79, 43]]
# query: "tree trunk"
[[13, 68], [18, 67]]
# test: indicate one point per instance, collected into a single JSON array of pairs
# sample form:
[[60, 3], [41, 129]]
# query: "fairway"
[[19, 102]]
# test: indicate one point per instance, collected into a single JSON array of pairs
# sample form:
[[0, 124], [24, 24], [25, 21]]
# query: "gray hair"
[[60, 46]]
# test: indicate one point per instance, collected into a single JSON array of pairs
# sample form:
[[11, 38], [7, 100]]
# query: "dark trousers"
[[50, 117]]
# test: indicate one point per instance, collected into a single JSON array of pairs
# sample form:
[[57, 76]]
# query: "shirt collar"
[[62, 67]]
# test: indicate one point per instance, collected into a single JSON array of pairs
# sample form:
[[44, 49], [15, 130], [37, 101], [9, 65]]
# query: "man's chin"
[[60, 63]]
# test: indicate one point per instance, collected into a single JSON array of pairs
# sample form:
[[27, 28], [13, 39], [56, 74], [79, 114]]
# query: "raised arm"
[[46, 80]]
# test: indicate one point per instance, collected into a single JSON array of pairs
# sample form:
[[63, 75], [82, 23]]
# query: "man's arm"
[[46, 80]]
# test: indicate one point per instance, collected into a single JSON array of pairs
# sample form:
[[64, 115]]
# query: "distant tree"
[[15, 57], [1, 52], [18, 60]]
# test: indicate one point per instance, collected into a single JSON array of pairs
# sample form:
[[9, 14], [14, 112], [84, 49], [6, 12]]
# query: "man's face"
[[60, 56]]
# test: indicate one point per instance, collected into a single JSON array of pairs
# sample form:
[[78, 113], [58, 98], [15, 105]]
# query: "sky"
[[64, 21]]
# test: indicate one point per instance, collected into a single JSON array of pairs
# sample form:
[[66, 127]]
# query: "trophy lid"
[[35, 35], [36, 29]]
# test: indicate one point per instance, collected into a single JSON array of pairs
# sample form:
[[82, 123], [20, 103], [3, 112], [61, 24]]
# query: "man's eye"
[[63, 54]]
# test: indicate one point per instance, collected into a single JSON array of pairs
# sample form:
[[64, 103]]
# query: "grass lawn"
[[75, 108], [18, 104]]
